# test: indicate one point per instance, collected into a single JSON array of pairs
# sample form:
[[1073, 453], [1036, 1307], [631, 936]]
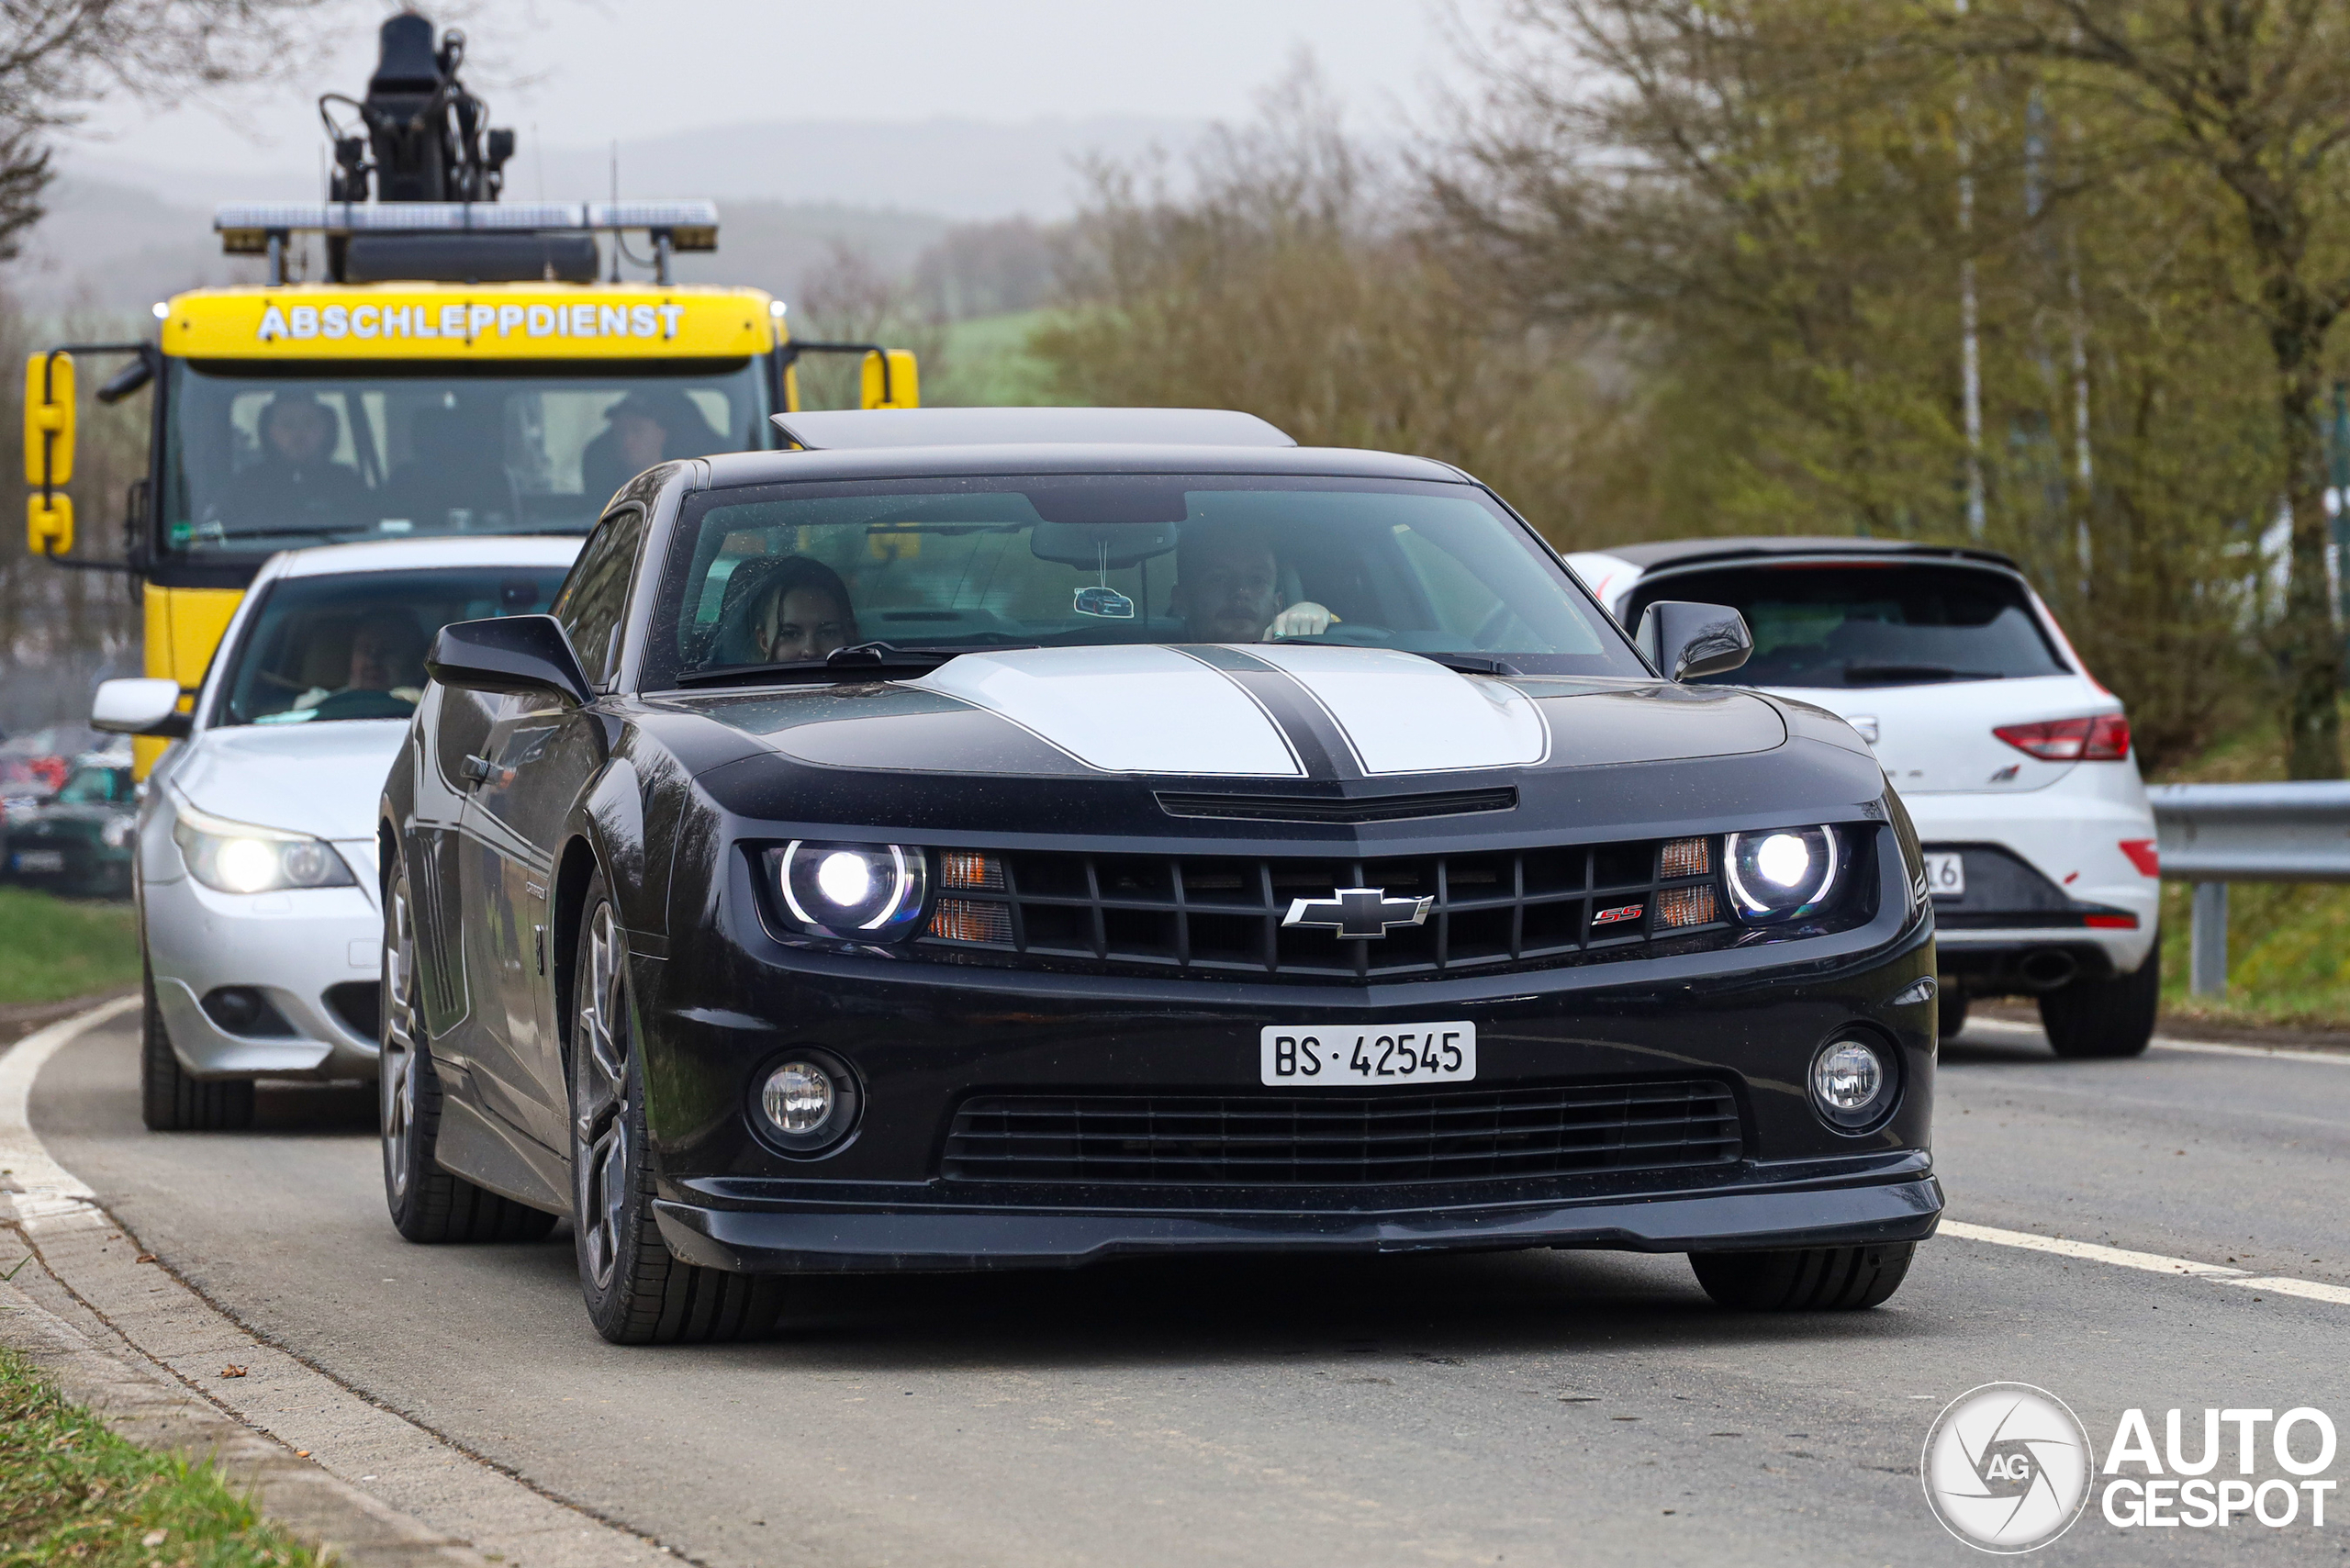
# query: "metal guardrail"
[[2211, 835]]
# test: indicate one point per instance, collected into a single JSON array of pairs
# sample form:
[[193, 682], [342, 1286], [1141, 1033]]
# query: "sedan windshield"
[[262, 462], [1868, 625], [352, 646], [788, 575]]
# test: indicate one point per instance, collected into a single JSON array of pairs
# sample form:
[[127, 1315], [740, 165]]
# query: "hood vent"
[[1323, 809]]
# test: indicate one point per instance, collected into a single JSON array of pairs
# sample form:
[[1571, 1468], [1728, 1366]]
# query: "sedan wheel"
[[427, 1203], [637, 1292]]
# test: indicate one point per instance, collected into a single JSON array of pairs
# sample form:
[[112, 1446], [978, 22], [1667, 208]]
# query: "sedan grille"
[[1224, 915], [1328, 1140]]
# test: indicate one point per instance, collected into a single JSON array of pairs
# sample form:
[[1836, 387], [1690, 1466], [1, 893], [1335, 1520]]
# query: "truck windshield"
[[792, 572], [258, 459]]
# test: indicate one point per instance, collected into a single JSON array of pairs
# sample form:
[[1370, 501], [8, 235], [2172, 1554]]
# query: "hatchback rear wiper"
[[1902, 674], [859, 661]]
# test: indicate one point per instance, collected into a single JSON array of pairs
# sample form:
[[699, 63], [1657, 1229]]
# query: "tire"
[[637, 1292], [428, 1203], [1950, 1015], [1812, 1279], [2089, 1019], [170, 1100]]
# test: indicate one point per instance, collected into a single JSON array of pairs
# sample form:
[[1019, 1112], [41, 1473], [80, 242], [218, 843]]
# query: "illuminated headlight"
[[240, 857], [859, 892], [1782, 873], [1852, 1082], [117, 832]]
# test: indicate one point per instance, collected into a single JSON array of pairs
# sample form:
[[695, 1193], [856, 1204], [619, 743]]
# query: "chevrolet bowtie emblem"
[[1357, 913]]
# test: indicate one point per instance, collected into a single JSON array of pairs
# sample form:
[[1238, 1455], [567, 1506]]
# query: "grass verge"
[[71, 1492], [52, 948]]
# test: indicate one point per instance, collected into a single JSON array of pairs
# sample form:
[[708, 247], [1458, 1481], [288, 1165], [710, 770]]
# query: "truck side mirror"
[[140, 705], [512, 654], [49, 453], [1686, 640], [894, 384]]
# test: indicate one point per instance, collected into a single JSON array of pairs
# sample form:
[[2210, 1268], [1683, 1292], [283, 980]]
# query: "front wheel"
[[637, 1290], [427, 1203], [1809, 1278], [170, 1100], [2092, 1018]]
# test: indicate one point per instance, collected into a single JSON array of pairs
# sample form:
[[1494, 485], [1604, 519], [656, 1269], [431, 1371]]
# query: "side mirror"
[[49, 452], [512, 654], [142, 705], [892, 380], [1687, 640]]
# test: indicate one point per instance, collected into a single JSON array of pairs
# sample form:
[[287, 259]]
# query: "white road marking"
[[2148, 1262], [37, 1184], [2323, 1057]]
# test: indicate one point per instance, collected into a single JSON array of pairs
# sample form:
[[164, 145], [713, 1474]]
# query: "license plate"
[[32, 860], [1946, 876], [1349, 1056]]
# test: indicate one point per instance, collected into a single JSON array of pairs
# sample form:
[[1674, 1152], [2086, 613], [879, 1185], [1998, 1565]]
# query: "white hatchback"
[[256, 874], [2014, 763]]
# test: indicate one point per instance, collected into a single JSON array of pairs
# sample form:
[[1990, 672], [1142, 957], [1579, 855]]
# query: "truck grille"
[[1342, 1139], [1223, 916]]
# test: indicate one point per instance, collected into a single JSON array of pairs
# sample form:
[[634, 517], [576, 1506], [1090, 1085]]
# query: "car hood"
[[316, 778], [1260, 712]]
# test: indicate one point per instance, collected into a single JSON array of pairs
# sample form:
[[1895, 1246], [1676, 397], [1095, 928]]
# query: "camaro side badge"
[[1358, 914]]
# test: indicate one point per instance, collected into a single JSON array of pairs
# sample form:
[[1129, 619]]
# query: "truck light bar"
[[246, 227]]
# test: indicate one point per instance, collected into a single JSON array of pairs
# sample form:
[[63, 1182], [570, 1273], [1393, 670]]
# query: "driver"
[[802, 612], [297, 468], [386, 656], [1228, 588]]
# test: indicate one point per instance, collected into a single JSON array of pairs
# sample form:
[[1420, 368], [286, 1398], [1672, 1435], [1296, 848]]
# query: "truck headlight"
[[241, 857], [859, 892], [1782, 873]]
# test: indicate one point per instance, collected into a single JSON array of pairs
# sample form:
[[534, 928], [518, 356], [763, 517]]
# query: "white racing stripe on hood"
[[1402, 713], [1125, 709]]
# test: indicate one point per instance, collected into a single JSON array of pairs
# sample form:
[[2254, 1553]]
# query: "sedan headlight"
[[858, 893], [117, 832], [241, 857], [1782, 873]]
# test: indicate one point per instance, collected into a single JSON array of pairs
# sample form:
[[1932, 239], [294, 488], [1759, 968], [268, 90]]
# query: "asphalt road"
[[1530, 1408]]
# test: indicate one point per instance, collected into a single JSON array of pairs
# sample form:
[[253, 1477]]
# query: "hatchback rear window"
[[1869, 625]]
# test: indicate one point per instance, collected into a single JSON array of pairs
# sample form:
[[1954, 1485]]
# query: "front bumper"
[[296, 948]]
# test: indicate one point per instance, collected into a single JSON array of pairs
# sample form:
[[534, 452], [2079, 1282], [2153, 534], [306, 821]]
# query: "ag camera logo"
[[2007, 1467]]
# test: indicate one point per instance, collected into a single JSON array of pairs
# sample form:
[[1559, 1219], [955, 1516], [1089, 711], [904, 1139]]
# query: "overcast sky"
[[593, 70]]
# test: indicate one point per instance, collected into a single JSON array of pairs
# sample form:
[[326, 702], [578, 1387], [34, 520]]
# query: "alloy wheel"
[[602, 1122], [397, 1060]]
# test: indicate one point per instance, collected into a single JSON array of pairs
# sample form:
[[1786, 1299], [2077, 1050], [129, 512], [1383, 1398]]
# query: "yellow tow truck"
[[461, 366]]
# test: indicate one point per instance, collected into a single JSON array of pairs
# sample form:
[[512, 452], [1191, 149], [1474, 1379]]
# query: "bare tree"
[[59, 57]]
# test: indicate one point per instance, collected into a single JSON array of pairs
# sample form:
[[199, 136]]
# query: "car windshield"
[[1865, 624], [94, 787], [790, 574], [352, 646], [262, 462]]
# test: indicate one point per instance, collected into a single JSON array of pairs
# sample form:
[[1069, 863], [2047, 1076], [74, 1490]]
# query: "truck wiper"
[[859, 661]]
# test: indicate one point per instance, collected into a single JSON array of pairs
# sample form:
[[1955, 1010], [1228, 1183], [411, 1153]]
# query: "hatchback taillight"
[[2104, 738]]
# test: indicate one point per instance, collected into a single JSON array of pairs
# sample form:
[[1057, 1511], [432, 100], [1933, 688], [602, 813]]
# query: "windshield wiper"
[[859, 661], [1903, 675], [1469, 663]]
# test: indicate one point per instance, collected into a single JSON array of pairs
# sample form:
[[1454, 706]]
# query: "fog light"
[[1852, 1082], [798, 1098]]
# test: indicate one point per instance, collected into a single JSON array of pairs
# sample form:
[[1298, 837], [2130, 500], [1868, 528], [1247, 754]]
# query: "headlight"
[[238, 858], [117, 832], [1782, 873], [861, 892]]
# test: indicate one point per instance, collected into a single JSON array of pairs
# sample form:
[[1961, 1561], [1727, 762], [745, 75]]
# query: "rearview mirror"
[[1686, 640], [893, 384], [512, 654], [140, 705], [49, 452]]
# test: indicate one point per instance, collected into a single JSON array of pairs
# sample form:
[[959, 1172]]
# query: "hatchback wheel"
[[2090, 1018], [1810, 1279], [428, 1203], [638, 1292], [170, 1098]]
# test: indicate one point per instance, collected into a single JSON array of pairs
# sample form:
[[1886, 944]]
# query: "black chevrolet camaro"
[[1008, 838]]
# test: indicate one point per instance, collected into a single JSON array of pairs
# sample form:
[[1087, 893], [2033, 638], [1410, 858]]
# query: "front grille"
[[1342, 1139], [1223, 916]]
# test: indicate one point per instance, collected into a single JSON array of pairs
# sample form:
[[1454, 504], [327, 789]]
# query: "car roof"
[[408, 555], [1687, 552], [735, 468], [830, 429]]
